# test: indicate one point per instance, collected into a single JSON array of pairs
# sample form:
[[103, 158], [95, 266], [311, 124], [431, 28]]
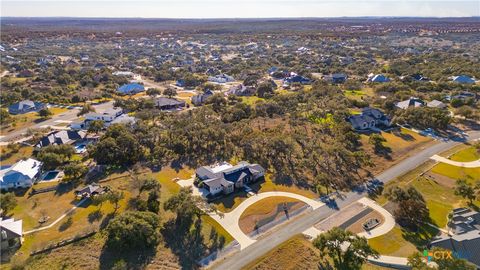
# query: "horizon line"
[[236, 18]]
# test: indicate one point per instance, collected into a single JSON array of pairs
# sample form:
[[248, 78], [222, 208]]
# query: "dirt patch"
[[357, 227], [441, 179], [254, 220]]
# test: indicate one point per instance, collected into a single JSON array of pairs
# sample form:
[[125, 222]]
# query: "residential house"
[[131, 89], [20, 175], [377, 78], [180, 83], [89, 191], [463, 236], [108, 117], [242, 90], [26, 106], [410, 103], [370, 118], [26, 73], [199, 99], [225, 178], [11, 232], [296, 79], [62, 137], [222, 78], [462, 79], [166, 104], [436, 104], [336, 78]]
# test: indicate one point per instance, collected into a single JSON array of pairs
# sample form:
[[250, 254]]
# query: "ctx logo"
[[438, 254]]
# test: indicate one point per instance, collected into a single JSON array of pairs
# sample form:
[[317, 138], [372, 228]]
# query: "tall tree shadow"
[[184, 237]]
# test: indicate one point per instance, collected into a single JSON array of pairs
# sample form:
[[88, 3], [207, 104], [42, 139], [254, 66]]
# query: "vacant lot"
[[28, 119], [399, 144]]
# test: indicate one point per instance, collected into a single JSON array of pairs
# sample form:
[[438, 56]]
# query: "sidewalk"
[[471, 164]]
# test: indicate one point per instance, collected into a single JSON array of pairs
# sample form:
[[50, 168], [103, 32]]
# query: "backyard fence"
[[63, 242], [262, 229], [230, 248], [42, 190]]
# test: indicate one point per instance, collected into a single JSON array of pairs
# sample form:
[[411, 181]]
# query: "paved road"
[[69, 115], [262, 246]]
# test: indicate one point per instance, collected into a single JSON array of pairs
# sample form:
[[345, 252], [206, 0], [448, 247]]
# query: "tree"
[[465, 111], [265, 89], [465, 190], [417, 262], [54, 156], [75, 171], [117, 147], [153, 92], [86, 109], [170, 92], [44, 113], [411, 207], [95, 126], [218, 102], [150, 184], [7, 202], [133, 231], [153, 201], [347, 250], [5, 117], [114, 197], [377, 141]]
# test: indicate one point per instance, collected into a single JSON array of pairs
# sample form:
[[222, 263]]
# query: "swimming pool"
[[50, 175], [80, 148]]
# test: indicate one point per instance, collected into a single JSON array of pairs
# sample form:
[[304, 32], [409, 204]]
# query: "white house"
[[21, 175]]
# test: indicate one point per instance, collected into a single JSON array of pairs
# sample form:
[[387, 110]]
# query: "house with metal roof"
[[412, 102], [463, 236], [225, 177], [26, 106], [20, 175], [462, 79], [62, 137], [131, 89], [377, 78], [199, 99]]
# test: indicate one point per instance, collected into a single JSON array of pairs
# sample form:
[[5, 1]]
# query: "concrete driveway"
[[230, 220], [471, 164]]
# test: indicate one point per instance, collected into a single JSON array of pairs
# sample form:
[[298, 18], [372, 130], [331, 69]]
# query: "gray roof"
[[62, 137], [169, 102]]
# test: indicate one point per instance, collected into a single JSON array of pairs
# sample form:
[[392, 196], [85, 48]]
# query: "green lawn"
[[392, 243], [251, 100], [471, 174], [466, 155]]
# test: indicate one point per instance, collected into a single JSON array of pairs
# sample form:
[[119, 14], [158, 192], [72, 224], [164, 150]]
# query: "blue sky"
[[238, 8]]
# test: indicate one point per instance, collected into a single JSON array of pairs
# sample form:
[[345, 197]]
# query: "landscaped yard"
[[393, 243]]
